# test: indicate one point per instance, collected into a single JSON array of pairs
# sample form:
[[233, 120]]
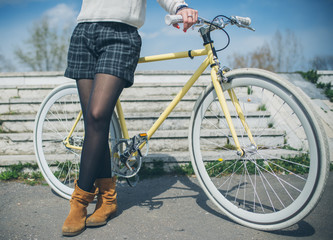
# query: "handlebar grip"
[[243, 20], [172, 19]]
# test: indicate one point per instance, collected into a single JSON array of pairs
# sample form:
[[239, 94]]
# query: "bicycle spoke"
[[281, 179], [255, 194]]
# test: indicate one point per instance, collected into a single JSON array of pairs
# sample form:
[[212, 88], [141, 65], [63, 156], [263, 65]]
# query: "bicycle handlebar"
[[173, 19], [243, 22], [246, 21]]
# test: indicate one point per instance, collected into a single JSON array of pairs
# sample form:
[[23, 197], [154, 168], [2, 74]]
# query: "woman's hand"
[[190, 17]]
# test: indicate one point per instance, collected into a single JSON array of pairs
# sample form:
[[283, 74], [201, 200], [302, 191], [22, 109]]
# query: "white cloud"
[[62, 15]]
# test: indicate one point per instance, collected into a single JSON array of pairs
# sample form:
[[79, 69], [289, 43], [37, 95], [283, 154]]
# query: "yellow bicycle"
[[256, 145]]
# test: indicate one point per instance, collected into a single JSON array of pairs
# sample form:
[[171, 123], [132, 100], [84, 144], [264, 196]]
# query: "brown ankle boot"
[[75, 222], [106, 202]]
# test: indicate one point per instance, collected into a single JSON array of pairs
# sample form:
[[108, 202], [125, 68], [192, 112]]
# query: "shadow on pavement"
[[301, 229]]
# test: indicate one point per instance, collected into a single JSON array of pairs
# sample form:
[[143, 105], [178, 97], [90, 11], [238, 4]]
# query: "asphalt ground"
[[160, 208]]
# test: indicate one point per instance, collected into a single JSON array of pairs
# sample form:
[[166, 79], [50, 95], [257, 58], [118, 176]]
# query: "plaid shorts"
[[103, 47]]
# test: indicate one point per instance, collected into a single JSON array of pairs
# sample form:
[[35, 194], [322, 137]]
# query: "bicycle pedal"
[[143, 135]]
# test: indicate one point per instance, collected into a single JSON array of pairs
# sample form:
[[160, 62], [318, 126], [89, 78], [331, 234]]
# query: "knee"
[[97, 118]]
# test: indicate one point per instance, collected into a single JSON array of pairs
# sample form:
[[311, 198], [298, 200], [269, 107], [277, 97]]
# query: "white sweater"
[[131, 12]]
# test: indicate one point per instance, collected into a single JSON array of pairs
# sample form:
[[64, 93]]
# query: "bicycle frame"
[[210, 60]]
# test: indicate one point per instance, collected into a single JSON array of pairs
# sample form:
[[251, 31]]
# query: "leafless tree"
[[45, 49], [322, 63], [259, 58], [283, 53]]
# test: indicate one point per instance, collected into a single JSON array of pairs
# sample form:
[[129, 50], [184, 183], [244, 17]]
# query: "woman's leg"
[[98, 99]]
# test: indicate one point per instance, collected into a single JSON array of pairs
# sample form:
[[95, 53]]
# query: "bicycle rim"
[[280, 182]]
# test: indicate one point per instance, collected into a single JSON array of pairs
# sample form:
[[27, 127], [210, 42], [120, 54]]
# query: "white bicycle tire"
[[317, 178]]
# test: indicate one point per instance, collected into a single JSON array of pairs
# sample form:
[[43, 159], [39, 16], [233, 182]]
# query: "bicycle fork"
[[219, 91]]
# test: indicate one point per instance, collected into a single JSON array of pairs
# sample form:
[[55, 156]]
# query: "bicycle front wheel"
[[54, 121], [280, 178]]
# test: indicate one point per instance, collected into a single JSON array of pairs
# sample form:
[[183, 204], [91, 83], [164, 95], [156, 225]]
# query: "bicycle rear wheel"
[[278, 182], [55, 119]]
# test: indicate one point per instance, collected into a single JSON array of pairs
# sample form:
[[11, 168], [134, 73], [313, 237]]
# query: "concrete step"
[[19, 106], [141, 120], [139, 104], [137, 90]]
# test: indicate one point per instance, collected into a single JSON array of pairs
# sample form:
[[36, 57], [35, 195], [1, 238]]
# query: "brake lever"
[[250, 28], [201, 21]]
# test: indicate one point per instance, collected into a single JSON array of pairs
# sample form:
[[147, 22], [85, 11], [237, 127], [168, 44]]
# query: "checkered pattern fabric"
[[103, 47]]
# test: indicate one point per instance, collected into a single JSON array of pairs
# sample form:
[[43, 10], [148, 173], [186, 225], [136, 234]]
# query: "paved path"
[[160, 208]]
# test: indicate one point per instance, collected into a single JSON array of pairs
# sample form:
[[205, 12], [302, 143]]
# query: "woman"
[[103, 54]]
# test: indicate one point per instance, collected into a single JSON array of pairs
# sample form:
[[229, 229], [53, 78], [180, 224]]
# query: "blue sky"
[[309, 20]]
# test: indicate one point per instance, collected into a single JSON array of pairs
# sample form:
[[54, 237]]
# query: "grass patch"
[[327, 90], [11, 113], [184, 169], [225, 168], [284, 167], [262, 107], [249, 91], [312, 76], [15, 172], [64, 168], [156, 169]]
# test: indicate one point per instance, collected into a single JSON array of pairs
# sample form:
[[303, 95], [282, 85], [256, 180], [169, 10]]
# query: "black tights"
[[98, 98]]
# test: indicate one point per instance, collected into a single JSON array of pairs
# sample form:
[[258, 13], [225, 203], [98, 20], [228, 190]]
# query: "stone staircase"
[[142, 105]]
